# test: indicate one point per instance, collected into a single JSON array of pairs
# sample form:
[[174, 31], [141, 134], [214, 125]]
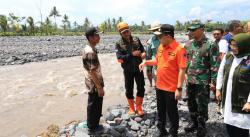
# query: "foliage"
[[12, 25], [3, 23]]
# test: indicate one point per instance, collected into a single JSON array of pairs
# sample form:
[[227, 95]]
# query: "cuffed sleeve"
[[182, 58], [219, 80], [214, 62]]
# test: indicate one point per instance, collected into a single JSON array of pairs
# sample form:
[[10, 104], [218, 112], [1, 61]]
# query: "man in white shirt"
[[222, 43]]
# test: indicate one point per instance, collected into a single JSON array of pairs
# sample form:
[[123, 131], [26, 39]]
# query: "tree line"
[[15, 25]]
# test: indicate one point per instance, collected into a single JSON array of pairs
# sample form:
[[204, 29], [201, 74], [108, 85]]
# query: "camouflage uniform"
[[202, 70]]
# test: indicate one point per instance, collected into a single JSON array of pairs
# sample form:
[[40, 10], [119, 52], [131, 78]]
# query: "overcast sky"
[[132, 11]]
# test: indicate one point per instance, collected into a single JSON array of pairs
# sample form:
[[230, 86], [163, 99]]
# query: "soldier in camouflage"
[[201, 75]]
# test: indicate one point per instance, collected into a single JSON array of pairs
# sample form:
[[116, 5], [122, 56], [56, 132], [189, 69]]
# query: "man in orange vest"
[[130, 53], [171, 62]]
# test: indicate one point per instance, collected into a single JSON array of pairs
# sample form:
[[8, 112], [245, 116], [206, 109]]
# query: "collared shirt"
[[235, 119], [223, 46], [170, 59], [153, 44], [91, 63]]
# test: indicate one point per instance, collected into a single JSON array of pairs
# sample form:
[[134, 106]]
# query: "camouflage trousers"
[[198, 99]]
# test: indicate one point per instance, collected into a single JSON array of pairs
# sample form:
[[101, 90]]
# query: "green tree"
[[55, 13], [104, 26], [3, 23], [120, 19], [86, 24], [47, 26], [135, 28], [31, 24], [186, 25], [14, 22], [179, 26], [66, 23], [114, 24], [109, 25], [24, 27], [143, 26], [76, 26]]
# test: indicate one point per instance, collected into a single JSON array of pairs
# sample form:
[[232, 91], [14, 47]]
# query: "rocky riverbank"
[[24, 49], [117, 123]]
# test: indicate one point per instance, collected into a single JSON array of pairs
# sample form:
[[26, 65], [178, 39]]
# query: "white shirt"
[[223, 46], [235, 119]]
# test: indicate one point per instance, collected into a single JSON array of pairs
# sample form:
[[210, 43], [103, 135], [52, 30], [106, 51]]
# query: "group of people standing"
[[222, 65]]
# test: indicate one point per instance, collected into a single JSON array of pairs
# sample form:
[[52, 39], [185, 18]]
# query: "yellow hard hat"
[[122, 26]]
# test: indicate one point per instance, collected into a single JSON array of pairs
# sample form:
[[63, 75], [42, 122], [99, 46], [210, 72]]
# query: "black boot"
[[173, 132], [193, 125], [201, 131], [161, 132]]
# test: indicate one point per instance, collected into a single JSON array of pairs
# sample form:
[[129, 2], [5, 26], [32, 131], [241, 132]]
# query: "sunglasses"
[[192, 30]]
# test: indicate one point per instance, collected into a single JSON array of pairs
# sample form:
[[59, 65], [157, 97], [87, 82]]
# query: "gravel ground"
[[117, 123], [20, 50]]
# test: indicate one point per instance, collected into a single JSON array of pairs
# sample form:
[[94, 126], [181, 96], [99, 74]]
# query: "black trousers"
[[236, 132], [167, 105], [94, 110], [130, 76]]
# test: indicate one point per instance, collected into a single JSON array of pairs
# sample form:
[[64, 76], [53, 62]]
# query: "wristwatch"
[[179, 89]]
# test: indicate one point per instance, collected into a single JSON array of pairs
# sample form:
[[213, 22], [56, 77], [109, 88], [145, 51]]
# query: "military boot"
[[193, 125], [201, 130]]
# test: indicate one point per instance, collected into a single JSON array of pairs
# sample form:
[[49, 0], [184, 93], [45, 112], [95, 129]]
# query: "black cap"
[[165, 29], [91, 31]]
